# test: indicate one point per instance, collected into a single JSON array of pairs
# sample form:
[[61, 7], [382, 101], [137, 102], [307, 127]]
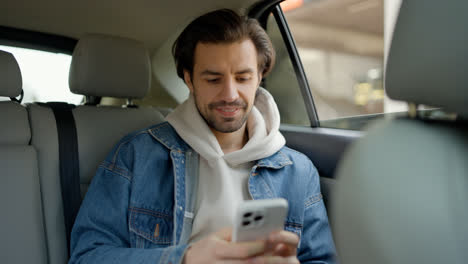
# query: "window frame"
[[297, 65], [28, 39], [261, 13]]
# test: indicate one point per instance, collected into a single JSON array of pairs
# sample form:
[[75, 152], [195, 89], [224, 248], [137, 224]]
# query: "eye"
[[215, 80], [243, 79]]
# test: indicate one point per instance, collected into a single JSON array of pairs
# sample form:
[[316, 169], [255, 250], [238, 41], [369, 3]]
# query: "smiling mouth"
[[227, 111]]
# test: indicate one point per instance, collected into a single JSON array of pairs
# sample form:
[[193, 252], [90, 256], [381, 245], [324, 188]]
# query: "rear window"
[[45, 75]]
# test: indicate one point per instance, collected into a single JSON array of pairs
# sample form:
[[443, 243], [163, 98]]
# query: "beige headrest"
[[427, 60], [11, 82], [110, 66]]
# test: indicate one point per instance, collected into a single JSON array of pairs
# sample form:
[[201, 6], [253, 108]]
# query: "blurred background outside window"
[[45, 75], [342, 45]]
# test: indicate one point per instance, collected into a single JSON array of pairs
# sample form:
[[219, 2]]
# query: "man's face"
[[225, 80]]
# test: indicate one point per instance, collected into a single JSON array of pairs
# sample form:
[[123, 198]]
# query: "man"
[[167, 194]]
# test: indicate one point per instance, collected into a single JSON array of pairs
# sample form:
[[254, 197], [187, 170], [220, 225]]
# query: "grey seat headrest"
[[11, 82], [428, 56], [110, 66]]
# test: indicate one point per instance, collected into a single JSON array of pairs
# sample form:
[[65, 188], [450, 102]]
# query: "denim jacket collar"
[[275, 161], [167, 135]]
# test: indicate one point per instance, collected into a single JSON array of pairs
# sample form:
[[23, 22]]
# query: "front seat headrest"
[[428, 56]]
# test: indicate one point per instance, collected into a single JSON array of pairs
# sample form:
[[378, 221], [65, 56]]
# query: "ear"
[[260, 76], [188, 80]]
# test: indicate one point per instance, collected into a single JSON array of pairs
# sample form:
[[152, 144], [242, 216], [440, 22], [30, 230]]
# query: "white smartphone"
[[256, 219]]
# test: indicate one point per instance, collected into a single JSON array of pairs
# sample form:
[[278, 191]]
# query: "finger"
[[284, 251], [233, 261], [241, 250], [274, 260], [224, 234], [288, 238]]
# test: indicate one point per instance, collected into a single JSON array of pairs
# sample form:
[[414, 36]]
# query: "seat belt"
[[69, 163]]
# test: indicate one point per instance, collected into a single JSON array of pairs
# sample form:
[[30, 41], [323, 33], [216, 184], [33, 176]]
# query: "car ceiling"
[[150, 21]]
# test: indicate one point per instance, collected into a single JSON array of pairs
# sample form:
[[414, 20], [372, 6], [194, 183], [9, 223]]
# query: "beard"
[[223, 124]]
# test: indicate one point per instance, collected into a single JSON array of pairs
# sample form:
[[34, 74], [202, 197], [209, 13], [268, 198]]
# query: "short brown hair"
[[222, 26]]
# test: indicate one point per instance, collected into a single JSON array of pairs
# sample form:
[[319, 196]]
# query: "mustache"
[[238, 103]]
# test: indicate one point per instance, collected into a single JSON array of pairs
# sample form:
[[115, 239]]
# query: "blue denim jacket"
[[139, 207]]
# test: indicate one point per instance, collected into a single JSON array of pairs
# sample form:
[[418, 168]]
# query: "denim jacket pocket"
[[295, 228], [149, 228]]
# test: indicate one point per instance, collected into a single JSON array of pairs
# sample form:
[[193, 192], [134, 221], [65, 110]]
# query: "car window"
[[341, 45], [282, 82], [45, 75]]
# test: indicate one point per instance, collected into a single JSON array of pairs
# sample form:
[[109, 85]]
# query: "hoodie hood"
[[262, 125]]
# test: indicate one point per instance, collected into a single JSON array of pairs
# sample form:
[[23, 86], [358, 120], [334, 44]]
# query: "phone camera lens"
[[246, 223], [247, 215], [258, 218]]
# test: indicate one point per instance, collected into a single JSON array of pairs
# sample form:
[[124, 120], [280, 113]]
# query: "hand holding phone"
[[253, 221], [257, 219]]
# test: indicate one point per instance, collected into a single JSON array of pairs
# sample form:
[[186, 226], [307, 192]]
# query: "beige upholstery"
[[427, 60], [110, 66], [101, 66], [22, 237], [15, 124], [11, 82], [45, 141], [401, 195], [100, 128], [402, 189]]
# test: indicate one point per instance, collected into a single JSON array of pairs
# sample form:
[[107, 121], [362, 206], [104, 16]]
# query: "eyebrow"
[[210, 72], [249, 70]]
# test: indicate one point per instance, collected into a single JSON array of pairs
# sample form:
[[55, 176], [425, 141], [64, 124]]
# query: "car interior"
[[394, 190]]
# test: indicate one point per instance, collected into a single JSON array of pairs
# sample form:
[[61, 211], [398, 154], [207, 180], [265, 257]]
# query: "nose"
[[229, 92]]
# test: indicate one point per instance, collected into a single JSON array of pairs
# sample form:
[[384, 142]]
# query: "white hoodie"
[[223, 181]]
